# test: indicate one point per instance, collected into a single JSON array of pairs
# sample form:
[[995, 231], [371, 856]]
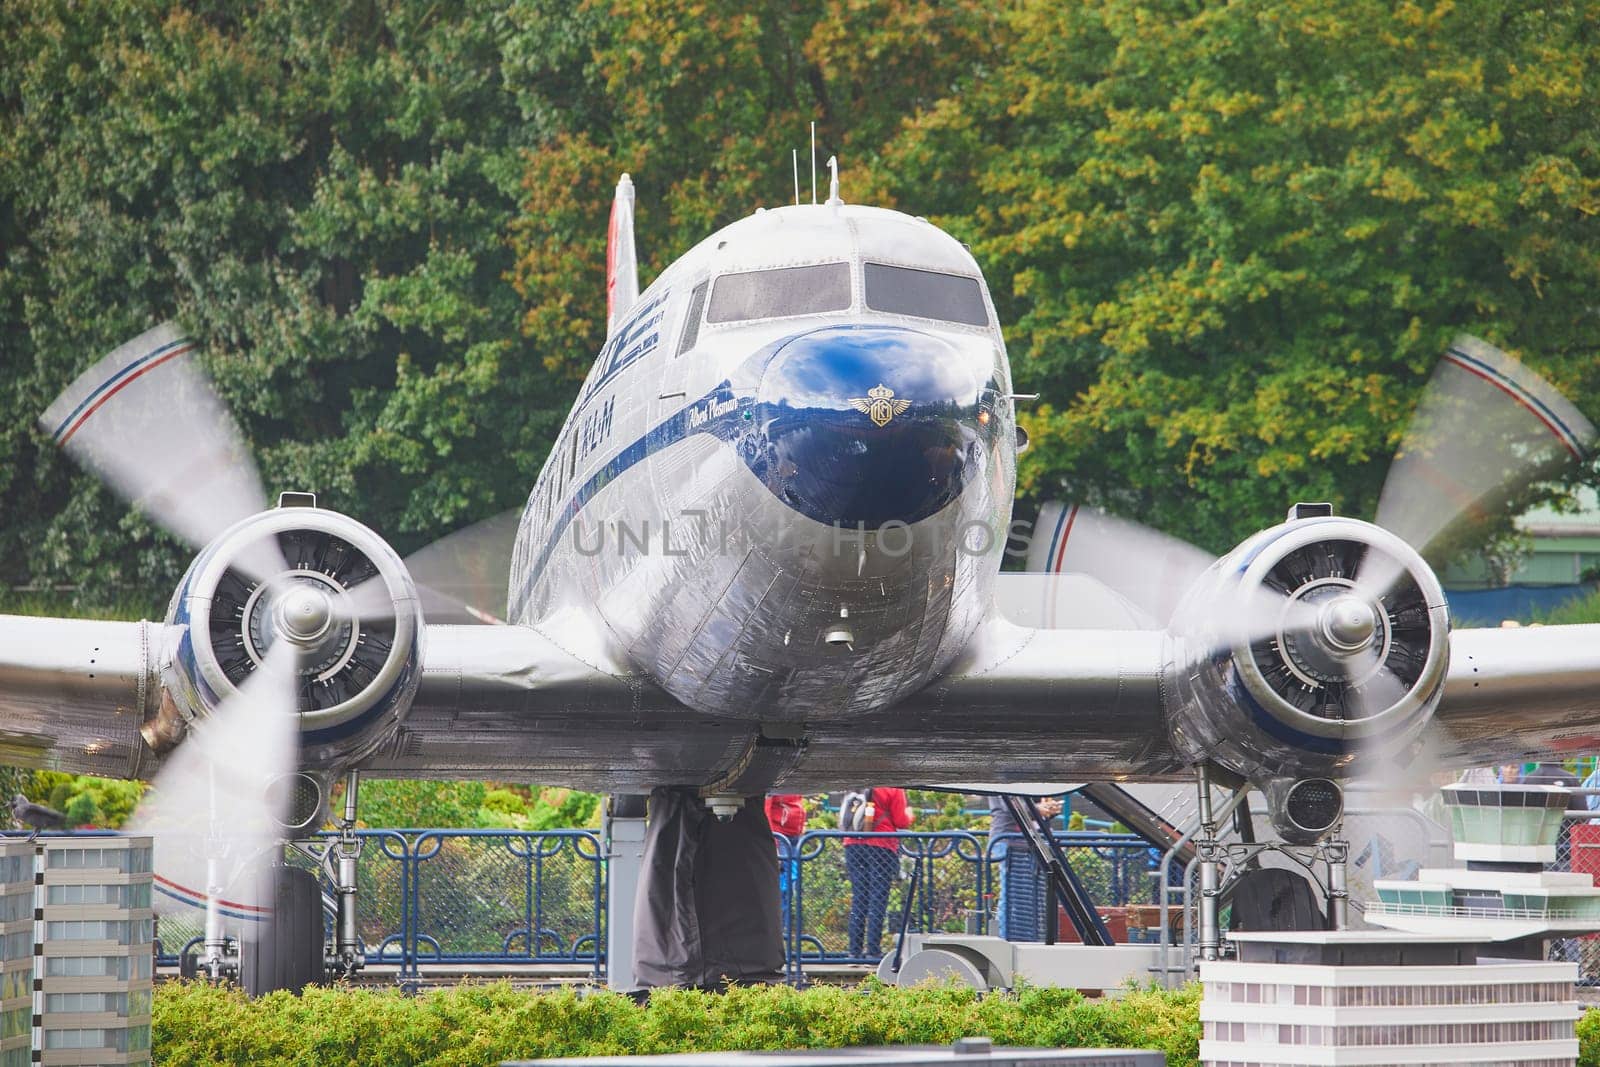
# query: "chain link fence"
[[504, 896], [458, 896]]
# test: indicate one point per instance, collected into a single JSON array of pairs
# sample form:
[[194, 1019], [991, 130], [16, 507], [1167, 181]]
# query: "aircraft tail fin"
[[622, 267]]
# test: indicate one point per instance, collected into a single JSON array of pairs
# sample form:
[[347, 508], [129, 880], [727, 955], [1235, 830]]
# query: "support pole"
[[215, 950], [624, 843], [347, 944], [1210, 882], [1337, 851], [216, 944]]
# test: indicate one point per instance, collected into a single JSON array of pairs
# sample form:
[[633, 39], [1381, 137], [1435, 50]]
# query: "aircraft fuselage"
[[784, 487]]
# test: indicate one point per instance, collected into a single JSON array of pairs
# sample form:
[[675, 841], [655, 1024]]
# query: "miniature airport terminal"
[[1453, 970]]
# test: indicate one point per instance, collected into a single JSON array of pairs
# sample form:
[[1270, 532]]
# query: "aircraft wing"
[[1513, 694], [534, 704], [492, 700], [73, 693]]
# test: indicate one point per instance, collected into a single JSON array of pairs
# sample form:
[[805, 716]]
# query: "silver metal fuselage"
[[723, 506]]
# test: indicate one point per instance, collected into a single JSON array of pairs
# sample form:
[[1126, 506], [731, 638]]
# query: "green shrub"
[[1589, 1039], [484, 1024]]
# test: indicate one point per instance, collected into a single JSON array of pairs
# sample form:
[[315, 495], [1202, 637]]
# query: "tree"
[[320, 194], [1230, 241], [704, 106], [1227, 242]]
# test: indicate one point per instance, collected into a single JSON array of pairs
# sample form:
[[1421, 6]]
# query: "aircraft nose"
[[869, 425]]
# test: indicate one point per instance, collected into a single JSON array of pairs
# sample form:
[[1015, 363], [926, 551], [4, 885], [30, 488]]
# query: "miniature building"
[[1505, 835], [1458, 975], [94, 929], [1379, 996], [16, 953]]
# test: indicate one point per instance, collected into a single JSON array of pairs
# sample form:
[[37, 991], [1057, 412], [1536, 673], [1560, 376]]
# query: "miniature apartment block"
[[94, 930], [16, 953]]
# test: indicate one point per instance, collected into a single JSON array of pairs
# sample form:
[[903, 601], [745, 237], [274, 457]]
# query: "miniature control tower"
[[1456, 974], [1505, 836]]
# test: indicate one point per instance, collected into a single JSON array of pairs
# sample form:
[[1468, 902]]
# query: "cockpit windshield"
[[925, 293], [771, 294]]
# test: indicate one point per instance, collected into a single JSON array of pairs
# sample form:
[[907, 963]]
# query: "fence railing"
[[506, 896]]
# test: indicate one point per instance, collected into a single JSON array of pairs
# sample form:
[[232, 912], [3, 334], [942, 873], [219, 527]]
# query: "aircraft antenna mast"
[[833, 182], [796, 154], [813, 161]]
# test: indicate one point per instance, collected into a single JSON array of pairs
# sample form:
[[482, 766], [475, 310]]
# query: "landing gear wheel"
[[942, 965], [1275, 899], [285, 951]]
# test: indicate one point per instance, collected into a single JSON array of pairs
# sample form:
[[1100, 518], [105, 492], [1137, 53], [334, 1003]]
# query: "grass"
[[1583, 609], [63, 604]]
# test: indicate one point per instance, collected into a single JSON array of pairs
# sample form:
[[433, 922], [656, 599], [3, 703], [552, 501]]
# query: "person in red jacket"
[[872, 863], [786, 812]]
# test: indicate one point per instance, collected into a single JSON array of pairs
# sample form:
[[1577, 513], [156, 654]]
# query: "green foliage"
[[1589, 1039], [950, 812], [84, 604], [83, 799], [1227, 242], [320, 194], [196, 1023], [1230, 242], [399, 803], [1582, 609]]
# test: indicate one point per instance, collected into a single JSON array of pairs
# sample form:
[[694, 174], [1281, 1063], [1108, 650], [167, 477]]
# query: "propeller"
[[1342, 625], [463, 577], [214, 798], [148, 423]]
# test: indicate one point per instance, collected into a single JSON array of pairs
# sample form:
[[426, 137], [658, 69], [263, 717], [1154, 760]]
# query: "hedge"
[[195, 1023]]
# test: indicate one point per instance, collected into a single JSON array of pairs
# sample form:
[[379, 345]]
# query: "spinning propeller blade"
[[1347, 620], [1151, 570], [212, 796], [147, 422]]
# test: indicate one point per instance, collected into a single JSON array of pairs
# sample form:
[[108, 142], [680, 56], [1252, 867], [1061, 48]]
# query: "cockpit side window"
[[691, 320], [925, 293], [770, 294]]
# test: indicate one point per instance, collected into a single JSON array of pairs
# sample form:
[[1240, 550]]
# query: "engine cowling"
[[1317, 648], [328, 585]]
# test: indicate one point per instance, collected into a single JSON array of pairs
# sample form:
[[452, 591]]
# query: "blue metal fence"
[[508, 896]]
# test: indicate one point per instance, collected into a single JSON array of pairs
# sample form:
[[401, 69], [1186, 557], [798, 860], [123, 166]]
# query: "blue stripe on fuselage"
[[669, 432]]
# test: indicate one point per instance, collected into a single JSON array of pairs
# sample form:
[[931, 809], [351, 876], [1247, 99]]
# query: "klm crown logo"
[[879, 404]]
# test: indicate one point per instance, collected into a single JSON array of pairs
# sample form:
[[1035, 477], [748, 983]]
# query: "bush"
[[484, 1024]]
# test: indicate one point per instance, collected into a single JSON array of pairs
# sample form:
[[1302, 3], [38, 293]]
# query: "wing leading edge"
[[74, 692], [1513, 694]]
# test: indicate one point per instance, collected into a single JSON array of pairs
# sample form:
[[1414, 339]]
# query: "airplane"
[[765, 551]]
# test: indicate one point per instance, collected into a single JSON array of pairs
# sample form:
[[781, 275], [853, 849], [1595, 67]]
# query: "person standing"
[[1005, 834], [1552, 773], [872, 863], [786, 813]]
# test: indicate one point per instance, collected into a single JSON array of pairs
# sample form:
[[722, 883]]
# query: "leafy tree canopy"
[[1228, 242], [1232, 240]]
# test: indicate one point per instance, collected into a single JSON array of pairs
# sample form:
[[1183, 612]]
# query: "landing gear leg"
[[215, 962], [218, 958], [1337, 852], [1210, 859], [347, 955]]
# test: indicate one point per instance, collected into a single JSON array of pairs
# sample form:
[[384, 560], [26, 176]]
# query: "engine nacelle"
[[1317, 648], [331, 588]]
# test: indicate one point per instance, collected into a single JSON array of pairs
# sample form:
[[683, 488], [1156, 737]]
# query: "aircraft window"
[[770, 294], [691, 319], [926, 294]]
